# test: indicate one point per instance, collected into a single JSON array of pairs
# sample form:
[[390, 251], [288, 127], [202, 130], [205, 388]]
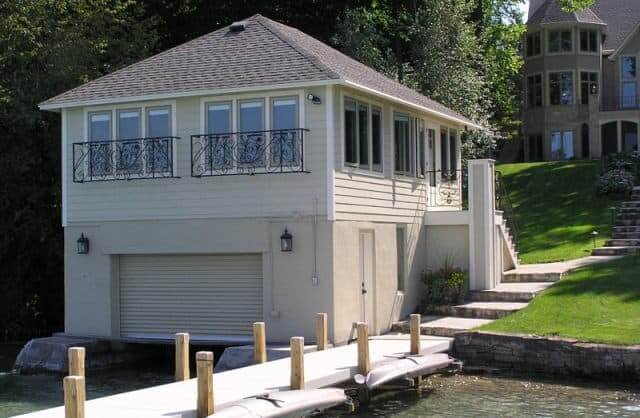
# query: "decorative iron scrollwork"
[[238, 153]]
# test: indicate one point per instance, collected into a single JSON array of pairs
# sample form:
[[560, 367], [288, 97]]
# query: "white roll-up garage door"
[[210, 296]]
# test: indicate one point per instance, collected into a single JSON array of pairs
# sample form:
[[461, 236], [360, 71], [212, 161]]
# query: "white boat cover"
[[286, 404], [405, 367]]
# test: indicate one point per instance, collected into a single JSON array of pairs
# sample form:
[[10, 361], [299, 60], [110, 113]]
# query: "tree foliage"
[[574, 5]]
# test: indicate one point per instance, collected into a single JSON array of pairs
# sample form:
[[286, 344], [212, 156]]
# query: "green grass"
[[599, 303], [556, 209]]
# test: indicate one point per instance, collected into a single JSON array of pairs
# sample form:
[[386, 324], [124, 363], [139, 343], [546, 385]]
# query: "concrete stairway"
[[626, 231]]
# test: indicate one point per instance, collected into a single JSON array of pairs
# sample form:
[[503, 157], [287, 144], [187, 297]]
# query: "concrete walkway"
[[518, 288], [178, 400]]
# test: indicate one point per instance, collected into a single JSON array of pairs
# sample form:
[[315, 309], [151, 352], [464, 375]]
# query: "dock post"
[[76, 357], [74, 396], [321, 331], [182, 357], [297, 363], [259, 343], [414, 326], [204, 370], [364, 363]]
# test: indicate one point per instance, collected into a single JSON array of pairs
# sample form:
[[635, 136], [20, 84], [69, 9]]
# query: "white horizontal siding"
[[211, 197]]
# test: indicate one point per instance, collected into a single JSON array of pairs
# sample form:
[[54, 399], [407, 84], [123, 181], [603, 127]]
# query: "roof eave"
[[624, 43]]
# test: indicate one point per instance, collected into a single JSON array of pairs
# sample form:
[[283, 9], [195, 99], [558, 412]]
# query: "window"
[[561, 88], [585, 141], [535, 148], [250, 141], [588, 82], [533, 47], [100, 162], [219, 118], [401, 255], [560, 41], [534, 90], [629, 136], [588, 41], [402, 144], [100, 126], [159, 126], [444, 148], [285, 142], [562, 145], [421, 159], [629, 82], [128, 154], [376, 139], [219, 151], [431, 134], [363, 135], [453, 154]]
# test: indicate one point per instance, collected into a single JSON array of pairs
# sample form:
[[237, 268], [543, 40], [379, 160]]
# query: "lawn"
[[599, 303], [556, 209]]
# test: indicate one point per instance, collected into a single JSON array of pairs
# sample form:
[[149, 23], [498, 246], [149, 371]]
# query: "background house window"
[[586, 153], [402, 144], [561, 88], [285, 144], [589, 41], [401, 256], [535, 148], [629, 136], [251, 140], [588, 80], [533, 47], [376, 139], [562, 145], [431, 134], [560, 41], [629, 82], [534, 90]]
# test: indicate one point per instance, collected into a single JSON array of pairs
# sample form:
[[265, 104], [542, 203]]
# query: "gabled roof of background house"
[[622, 17], [265, 53]]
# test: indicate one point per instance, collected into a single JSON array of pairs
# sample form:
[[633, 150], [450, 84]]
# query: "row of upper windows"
[[218, 119], [561, 41], [413, 144], [561, 88]]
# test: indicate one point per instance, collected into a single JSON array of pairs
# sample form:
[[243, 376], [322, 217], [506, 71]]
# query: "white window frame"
[[409, 146], [370, 105]]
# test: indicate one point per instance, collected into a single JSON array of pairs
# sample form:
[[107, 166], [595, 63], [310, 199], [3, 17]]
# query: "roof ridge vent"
[[238, 26]]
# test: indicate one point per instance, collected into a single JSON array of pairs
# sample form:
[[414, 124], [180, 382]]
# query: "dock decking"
[[178, 400]]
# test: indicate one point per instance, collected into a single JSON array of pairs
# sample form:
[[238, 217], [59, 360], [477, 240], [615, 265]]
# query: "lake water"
[[455, 396]]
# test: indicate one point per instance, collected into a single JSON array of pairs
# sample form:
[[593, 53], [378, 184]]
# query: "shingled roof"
[[265, 53], [551, 12]]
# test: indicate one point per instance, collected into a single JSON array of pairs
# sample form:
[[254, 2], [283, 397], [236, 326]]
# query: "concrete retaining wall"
[[547, 355]]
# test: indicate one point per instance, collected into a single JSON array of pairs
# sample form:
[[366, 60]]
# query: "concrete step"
[[485, 310], [627, 222], [627, 215], [521, 277], [622, 242], [631, 228], [441, 326], [509, 292], [631, 204], [615, 251], [630, 208], [626, 235]]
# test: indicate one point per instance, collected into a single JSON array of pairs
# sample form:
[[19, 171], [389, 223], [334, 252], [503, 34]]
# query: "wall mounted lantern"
[[83, 245], [594, 89], [314, 99], [286, 242]]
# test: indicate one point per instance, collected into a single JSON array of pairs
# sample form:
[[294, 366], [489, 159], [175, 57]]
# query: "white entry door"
[[367, 271]]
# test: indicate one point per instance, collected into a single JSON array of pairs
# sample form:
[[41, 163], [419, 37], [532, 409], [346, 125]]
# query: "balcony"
[[129, 159], [617, 103], [248, 153]]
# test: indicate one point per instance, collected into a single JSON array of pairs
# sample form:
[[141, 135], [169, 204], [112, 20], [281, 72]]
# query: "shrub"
[[445, 286], [616, 181]]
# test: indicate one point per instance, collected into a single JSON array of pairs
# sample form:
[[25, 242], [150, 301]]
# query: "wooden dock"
[[321, 369]]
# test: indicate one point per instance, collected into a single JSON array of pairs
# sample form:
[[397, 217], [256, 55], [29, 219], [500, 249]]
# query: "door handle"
[[364, 291]]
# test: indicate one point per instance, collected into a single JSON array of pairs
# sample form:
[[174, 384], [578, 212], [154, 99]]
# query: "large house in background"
[[581, 81], [256, 174]]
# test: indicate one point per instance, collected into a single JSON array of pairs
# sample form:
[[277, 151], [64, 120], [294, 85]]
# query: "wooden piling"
[[182, 357], [74, 396], [204, 370], [364, 363], [321, 331], [414, 327], [297, 363], [76, 356], [259, 343]]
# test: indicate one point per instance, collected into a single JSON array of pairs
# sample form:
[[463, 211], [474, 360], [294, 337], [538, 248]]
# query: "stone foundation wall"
[[558, 356]]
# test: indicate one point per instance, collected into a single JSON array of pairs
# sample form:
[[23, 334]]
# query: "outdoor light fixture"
[[594, 234], [594, 89], [286, 242], [314, 99], [83, 245]]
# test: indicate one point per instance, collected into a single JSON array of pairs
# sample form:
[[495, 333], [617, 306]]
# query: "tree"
[[574, 5], [46, 47]]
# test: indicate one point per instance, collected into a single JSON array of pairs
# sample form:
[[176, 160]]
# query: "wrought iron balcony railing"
[[128, 159], [248, 153], [448, 188]]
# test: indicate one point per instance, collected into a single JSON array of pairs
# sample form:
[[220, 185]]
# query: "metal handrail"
[[504, 204]]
